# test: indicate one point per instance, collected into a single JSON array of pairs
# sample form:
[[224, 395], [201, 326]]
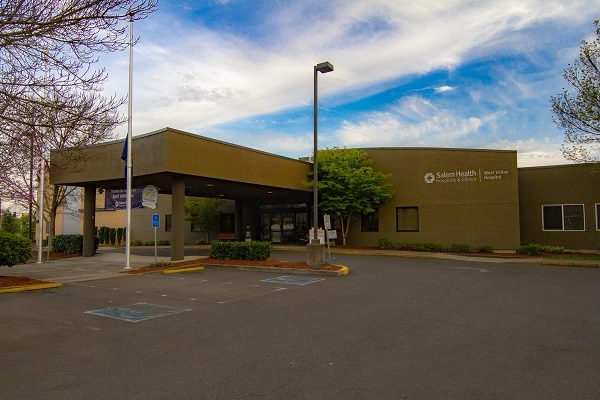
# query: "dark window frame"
[[552, 213], [368, 220], [168, 221]]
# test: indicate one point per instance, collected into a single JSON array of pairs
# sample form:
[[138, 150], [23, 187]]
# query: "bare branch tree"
[[579, 114], [50, 91], [49, 45]]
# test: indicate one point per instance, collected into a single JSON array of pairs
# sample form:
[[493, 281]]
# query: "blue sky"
[[428, 73]]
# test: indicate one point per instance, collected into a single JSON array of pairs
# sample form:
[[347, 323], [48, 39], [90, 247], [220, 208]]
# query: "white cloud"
[[442, 89], [415, 121], [534, 152], [192, 78]]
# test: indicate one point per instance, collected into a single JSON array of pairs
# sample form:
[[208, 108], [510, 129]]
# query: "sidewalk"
[[78, 269]]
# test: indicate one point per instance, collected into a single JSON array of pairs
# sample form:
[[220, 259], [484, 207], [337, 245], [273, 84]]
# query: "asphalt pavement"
[[394, 328]]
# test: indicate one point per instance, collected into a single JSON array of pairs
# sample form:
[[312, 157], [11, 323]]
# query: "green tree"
[[348, 185], [9, 223], [204, 214], [578, 113], [23, 223]]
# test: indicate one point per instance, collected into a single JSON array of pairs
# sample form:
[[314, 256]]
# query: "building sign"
[[141, 197], [150, 197], [469, 175]]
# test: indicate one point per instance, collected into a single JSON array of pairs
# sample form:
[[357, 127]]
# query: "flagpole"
[[41, 184], [129, 134], [41, 212]]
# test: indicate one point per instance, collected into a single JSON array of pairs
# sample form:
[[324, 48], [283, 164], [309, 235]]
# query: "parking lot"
[[393, 328]]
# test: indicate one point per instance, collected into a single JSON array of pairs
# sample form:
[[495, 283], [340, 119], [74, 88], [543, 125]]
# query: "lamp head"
[[324, 67]]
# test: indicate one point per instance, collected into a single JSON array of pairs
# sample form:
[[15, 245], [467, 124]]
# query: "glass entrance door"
[[281, 227], [275, 227], [286, 223]]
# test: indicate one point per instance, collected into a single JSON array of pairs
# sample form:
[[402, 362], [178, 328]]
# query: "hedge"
[[533, 249], [240, 250], [14, 249], [69, 244]]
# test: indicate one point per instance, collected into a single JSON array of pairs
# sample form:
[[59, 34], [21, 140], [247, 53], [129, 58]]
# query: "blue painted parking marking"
[[138, 312], [293, 280]]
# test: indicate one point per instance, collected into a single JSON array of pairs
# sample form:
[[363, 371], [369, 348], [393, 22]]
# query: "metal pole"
[[315, 166], [30, 231], [41, 186], [129, 134], [41, 212]]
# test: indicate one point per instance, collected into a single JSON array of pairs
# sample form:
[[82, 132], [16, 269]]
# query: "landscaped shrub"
[[163, 243], [385, 244], [70, 244], [485, 249], [136, 242], [427, 246], [100, 235], [258, 250], [240, 250], [533, 249], [149, 243], [106, 235], [14, 249], [200, 241], [112, 235], [119, 236], [460, 248]]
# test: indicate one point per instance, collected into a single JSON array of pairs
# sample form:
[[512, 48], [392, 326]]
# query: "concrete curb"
[[563, 263], [458, 257], [40, 286], [340, 272], [180, 270]]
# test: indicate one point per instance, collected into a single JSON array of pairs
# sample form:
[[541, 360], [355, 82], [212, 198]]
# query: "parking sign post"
[[155, 224]]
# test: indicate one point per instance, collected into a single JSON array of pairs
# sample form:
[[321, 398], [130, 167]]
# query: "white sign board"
[[320, 235], [327, 221]]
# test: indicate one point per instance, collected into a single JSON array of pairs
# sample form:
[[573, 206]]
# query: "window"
[[563, 217], [168, 222], [407, 219], [227, 222], [370, 222]]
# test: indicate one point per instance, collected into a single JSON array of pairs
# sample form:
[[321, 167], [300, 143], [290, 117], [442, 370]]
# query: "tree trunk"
[[346, 228], [344, 231]]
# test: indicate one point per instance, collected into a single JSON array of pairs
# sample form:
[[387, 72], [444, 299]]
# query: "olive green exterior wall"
[[559, 185], [176, 152], [472, 197], [463, 196]]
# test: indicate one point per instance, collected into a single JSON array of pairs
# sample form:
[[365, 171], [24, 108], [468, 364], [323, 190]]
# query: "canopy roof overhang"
[[210, 168]]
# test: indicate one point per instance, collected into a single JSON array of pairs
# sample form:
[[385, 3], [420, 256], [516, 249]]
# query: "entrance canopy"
[[210, 168], [180, 164]]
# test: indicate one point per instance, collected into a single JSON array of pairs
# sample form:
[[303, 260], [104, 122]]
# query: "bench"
[[225, 237]]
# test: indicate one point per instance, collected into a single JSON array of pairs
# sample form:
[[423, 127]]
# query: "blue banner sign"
[[116, 199]]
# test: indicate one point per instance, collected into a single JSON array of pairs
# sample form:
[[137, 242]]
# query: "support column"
[[178, 218], [89, 221]]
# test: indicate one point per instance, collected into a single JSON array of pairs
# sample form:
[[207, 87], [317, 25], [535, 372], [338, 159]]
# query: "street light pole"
[[313, 250], [323, 68]]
